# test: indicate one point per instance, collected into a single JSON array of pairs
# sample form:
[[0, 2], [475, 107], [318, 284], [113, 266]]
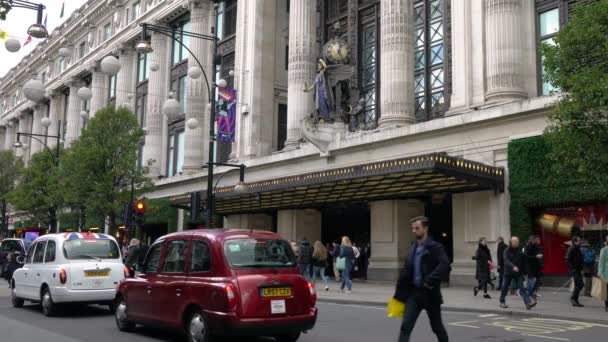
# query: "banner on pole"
[[226, 114]]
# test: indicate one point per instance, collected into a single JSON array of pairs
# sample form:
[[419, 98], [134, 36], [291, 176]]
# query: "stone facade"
[[493, 100]]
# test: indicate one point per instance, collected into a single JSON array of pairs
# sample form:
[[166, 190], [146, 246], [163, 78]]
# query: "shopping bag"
[[598, 289], [395, 308], [341, 264]]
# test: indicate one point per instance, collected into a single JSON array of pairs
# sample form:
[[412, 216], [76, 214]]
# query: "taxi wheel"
[[48, 307], [120, 313], [16, 301], [198, 329], [288, 337]]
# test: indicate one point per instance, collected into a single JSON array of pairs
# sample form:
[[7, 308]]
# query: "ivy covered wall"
[[533, 184]]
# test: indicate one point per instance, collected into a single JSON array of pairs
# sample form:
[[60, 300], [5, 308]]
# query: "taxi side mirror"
[[21, 259]]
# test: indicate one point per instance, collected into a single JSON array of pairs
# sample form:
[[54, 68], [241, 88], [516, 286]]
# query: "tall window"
[[82, 49], [368, 67], [430, 57], [282, 126], [136, 10], [112, 92], [143, 72], [229, 18], [107, 31], [548, 29], [179, 52], [175, 160]]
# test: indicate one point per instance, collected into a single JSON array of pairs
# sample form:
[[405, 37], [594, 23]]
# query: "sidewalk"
[[550, 305]]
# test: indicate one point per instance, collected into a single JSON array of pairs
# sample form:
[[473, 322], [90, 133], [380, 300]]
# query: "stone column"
[[3, 131], [157, 95], [504, 50], [99, 89], [54, 115], [73, 113], [297, 224], [476, 214], [391, 236], [9, 139], [255, 78], [197, 139], [39, 113], [397, 63], [20, 127], [125, 84], [301, 67]]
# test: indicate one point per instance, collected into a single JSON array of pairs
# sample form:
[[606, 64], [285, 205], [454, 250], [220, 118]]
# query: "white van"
[[69, 268]]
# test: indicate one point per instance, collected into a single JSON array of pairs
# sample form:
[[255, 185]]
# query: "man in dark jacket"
[[500, 252], [515, 269], [10, 267], [574, 259], [426, 264], [534, 266], [305, 259]]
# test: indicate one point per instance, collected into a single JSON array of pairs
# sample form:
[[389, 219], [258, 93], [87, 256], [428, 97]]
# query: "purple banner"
[[226, 114]]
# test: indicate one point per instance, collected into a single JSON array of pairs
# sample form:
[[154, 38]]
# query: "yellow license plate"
[[96, 273], [276, 292]]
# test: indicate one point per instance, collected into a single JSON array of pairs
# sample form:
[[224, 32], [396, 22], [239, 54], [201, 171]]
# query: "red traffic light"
[[140, 206]]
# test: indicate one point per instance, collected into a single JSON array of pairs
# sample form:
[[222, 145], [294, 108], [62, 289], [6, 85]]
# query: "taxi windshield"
[[259, 253], [90, 249]]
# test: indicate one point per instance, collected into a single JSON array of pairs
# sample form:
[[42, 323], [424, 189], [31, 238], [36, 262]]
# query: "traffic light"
[[140, 211], [195, 206]]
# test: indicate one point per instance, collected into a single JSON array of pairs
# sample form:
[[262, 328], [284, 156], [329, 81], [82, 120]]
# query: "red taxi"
[[219, 282]]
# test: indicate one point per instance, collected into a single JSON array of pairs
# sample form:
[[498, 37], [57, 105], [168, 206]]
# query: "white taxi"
[[69, 268]]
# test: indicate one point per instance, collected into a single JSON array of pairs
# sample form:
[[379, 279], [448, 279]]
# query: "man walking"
[[500, 252], [514, 265], [534, 264], [574, 259], [426, 263], [305, 259]]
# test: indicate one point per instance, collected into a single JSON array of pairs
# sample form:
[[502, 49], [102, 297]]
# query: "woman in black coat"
[[483, 259]]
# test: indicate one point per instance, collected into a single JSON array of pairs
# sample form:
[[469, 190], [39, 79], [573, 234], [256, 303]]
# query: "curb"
[[529, 314]]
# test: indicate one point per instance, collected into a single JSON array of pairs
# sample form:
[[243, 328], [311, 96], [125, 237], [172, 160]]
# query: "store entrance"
[[352, 220], [438, 209]]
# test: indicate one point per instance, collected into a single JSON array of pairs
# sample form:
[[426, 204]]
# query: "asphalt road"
[[337, 323]]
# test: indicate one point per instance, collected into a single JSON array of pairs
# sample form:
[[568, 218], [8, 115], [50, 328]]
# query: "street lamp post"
[[36, 30], [46, 122], [144, 46]]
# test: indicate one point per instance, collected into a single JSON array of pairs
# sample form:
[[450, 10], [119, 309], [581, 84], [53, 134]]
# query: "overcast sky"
[[19, 19]]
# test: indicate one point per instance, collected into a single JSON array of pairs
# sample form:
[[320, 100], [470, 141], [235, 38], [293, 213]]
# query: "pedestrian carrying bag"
[[599, 290], [395, 308], [341, 264]]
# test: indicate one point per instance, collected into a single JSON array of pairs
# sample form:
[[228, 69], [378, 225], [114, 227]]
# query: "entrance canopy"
[[400, 178]]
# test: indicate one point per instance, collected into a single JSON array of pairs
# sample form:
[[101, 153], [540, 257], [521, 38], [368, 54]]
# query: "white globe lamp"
[[192, 123], [154, 66], [84, 114], [171, 107], [110, 65], [222, 83], [63, 52], [195, 72], [46, 122], [12, 45], [33, 90], [85, 94]]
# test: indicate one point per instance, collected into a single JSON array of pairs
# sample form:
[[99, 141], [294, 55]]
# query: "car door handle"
[[38, 274], [149, 289], [178, 292]]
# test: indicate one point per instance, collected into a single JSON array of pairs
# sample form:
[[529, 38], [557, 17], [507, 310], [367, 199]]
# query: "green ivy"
[[533, 184]]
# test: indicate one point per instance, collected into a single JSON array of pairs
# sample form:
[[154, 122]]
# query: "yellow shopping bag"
[[395, 308]]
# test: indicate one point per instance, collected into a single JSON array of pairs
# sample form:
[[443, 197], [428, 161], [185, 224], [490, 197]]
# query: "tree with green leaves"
[[5, 7], [10, 169], [578, 65], [102, 164], [38, 193]]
